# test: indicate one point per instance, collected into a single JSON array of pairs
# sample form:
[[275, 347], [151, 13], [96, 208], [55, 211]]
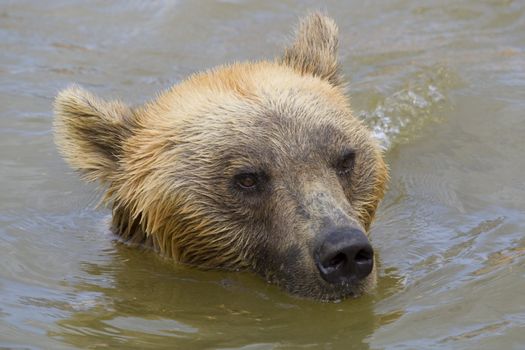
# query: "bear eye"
[[346, 163], [247, 181]]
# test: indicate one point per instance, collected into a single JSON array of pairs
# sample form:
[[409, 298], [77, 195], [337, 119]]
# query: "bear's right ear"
[[89, 132], [314, 49]]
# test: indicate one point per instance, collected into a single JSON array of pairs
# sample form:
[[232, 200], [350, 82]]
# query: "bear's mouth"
[[310, 285], [332, 292]]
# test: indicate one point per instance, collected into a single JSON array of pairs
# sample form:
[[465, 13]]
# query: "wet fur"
[[167, 165]]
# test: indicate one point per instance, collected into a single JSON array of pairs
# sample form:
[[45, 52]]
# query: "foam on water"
[[397, 117]]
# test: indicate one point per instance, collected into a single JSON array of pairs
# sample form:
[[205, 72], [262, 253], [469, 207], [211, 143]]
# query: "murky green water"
[[442, 83]]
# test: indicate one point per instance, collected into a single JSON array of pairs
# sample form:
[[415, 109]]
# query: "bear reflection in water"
[[130, 297]]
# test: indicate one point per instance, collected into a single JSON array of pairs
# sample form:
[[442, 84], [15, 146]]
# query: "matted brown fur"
[[168, 166]]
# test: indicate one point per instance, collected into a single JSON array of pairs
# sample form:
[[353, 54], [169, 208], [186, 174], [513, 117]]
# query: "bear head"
[[251, 166]]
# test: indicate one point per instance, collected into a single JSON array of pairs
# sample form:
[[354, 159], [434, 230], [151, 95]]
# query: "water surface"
[[441, 83]]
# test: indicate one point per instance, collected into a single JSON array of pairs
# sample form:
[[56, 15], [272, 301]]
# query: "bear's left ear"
[[90, 132], [314, 49]]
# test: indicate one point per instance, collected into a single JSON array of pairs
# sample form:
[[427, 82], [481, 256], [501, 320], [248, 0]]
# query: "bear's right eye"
[[247, 181]]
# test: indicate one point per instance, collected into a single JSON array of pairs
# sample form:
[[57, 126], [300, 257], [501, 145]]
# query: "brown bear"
[[257, 166]]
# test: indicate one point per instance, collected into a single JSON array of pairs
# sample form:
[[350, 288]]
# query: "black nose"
[[344, 255]]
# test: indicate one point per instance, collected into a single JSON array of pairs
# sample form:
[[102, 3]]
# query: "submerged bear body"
[[256, 165]]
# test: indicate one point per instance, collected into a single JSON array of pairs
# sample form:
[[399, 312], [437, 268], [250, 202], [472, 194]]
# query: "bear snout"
[[344, 256]]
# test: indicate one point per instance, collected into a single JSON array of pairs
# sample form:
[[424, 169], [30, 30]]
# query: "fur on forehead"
[[247, 103]]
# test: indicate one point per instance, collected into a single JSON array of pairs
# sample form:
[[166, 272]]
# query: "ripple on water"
[[423, 96]]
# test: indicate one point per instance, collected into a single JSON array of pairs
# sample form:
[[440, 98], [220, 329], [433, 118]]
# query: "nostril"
[[364, 256], [336, 262]]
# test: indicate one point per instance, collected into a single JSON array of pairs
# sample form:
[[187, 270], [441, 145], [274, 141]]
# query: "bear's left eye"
[[346, 163], [247, 181]]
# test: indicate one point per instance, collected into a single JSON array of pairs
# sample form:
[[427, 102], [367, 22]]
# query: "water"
[[441, 83]]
